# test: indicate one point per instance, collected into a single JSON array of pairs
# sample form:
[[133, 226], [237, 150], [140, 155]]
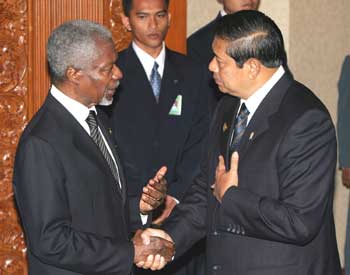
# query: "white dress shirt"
[[253, 102], [147, 60], [223, 13]]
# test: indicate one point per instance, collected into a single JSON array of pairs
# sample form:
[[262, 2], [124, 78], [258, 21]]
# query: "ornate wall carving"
[[113, 21], [13, 96]]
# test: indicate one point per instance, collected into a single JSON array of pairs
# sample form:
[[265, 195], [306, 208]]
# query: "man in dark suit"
[[344, 144], [68, 181], [199, 43], [160, 116], [270, 212]]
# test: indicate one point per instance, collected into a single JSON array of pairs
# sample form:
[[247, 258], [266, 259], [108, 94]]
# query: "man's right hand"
[[154, 192], [151, 251]]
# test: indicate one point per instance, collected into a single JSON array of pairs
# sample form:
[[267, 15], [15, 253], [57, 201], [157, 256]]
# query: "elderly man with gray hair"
[[68, 180]]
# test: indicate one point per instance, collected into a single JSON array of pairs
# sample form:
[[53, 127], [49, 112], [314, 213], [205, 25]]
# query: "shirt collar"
[[79, 111], [147, 60], [223, 13], [253, 102]]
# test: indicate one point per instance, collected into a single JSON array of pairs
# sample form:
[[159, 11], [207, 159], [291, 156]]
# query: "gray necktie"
[[155, 80], [97, 138]]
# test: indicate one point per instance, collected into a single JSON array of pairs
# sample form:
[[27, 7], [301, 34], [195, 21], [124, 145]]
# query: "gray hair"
[[73, 44]]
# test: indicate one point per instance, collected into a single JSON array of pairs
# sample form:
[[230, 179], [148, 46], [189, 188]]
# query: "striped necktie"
[[240, 126], [155, 80], [97, 138]]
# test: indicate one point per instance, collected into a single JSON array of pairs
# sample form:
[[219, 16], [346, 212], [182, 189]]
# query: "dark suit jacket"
[[74, 214], [279, 220], [344, 114], [199, 43], [199, 48], [147, 136]]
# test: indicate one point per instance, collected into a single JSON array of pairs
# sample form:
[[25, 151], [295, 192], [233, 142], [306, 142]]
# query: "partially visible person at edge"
[[344, 144]]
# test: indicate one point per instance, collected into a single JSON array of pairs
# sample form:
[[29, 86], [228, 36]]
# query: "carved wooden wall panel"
[[13, 97], [113, 21], [24, 82]]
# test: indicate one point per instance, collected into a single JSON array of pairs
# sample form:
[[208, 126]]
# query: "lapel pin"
[[224, 127], [251, 136], [175, 81], [110, 131]]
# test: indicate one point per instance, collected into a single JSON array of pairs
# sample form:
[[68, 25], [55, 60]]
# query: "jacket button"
[[217, 267], [238, 231], [234, 229], [215, 233]]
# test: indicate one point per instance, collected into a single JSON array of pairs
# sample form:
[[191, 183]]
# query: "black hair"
[[127, 6], [252, 34]]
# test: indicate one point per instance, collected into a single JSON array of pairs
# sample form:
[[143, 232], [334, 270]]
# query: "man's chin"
[[106, 101], [222, 89]]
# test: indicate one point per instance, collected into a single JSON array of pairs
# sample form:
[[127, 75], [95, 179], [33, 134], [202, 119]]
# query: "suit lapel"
[[80, 139], [138, 79], [116, 157], [230, 108], [260, 120]]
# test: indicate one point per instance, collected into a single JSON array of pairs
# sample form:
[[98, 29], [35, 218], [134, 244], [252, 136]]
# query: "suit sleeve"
[[189, 161], [305, 165], [39, 183], [187, 222], [343, 126]]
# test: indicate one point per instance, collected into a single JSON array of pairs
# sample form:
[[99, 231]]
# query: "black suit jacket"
[[199, 48], [199, 43], [279, 220], [147, 136], [74, 214]]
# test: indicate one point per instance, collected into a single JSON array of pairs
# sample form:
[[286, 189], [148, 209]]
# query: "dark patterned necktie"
[[97, 138], [240, 126], [155, 80]]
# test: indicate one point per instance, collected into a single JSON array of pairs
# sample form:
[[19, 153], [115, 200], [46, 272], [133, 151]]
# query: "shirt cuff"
[[144, 218]]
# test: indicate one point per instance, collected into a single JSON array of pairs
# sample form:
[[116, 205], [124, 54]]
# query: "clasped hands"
[[153, 249]]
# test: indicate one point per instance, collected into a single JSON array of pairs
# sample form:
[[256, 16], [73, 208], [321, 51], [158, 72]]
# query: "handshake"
[[153, 249]]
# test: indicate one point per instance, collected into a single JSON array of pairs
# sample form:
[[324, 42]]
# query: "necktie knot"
[[91, 120], [155, 66], [155, 80], [243, 112]]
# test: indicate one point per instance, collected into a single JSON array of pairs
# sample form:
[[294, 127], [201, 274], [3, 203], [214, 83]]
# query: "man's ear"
[[169, 19], [126, 22], [73, 75], [253, 67]]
